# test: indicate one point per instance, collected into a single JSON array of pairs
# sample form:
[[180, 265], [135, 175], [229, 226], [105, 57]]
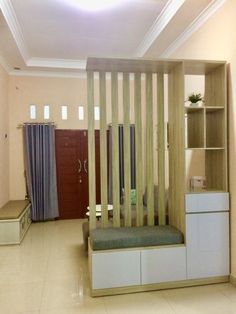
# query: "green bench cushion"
[[128, 237]]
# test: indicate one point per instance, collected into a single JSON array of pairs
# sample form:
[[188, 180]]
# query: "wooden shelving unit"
[[206, 127]]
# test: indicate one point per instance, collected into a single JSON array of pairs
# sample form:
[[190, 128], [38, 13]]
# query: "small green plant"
[[194, 98]]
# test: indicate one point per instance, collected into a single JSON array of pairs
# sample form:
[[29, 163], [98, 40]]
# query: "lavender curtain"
[[40, 166]]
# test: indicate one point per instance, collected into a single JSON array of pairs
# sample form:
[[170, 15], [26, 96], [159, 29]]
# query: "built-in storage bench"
[[14, 221], [132, 259], [126, 260]]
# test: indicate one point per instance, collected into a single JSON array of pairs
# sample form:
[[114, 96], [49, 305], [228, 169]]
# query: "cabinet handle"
[[85, 168], [80, 166]]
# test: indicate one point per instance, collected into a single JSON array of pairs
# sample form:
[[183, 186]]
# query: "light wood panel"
[[149, 149], [115, 151], [215, 87], [176, 147], [215, 177], [103, 147], [91, 150], [195, 129], [130, 65], [216, 128], [138, 149], [161, 149], [127, 165]]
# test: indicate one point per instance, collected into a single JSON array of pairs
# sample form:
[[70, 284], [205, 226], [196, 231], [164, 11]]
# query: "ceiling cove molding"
[[193, 27], [158, 26], [12, 21], [81, 75], [57, 63]]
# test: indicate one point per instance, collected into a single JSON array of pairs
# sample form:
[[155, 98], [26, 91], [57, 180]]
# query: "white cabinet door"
[[206, 202], [207, 241], [163, 264], [115, 269]]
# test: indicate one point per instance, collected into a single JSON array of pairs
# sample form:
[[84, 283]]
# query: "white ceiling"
[[55, 37]]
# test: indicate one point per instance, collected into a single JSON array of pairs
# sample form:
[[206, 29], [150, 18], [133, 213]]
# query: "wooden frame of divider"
[[216, 157]]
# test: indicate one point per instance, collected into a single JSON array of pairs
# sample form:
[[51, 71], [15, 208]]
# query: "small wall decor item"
[[195, 99]]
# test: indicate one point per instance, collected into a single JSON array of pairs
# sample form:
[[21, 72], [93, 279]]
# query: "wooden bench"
[[14, 221], [134, 259]]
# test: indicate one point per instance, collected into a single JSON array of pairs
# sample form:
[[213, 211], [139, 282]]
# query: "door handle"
[[85, 168], [80, 166]]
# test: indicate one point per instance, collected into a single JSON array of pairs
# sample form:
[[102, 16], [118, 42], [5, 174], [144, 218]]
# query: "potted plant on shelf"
[[195, 99]]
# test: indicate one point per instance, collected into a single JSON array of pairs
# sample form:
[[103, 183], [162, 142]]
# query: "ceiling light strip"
[[193, 27], [12, 21], [158, 26]]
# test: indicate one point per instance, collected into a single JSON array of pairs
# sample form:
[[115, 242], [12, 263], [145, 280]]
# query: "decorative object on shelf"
[[195, 99], [197, 183]]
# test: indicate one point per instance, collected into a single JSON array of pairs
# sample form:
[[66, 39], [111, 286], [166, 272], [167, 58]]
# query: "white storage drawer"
[[163, 264], [115, 269], [206, 202]]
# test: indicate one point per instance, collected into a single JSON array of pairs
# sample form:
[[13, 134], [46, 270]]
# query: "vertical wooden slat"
[[149, 148], [91, 150], [127, 179], [161, 149], [103, 147], [138, 149], [115, 151], [176, 147]]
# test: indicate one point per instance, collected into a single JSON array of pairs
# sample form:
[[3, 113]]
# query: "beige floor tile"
[[31, 312], [65, 268], [138, 303], [21, 298], [65, 293], [204, 300], [23, 271], [70, 296], [87, 308]]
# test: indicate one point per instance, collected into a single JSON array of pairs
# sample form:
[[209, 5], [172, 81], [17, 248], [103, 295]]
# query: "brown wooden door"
[[72, 172]]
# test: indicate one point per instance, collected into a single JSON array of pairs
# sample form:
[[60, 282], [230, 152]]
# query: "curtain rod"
[[20, 125]]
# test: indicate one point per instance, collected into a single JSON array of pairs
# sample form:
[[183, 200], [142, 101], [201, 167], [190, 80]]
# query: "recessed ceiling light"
[[96, 5]]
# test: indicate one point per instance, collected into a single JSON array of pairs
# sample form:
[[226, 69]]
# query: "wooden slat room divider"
[[146, 153]]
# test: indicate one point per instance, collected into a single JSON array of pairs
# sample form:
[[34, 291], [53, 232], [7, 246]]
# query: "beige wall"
[[56, 92], [216, 40], [4, 138]]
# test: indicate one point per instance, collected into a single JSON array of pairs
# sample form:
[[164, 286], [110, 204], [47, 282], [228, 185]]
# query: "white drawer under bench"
[[15, 220], [136, 269]]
